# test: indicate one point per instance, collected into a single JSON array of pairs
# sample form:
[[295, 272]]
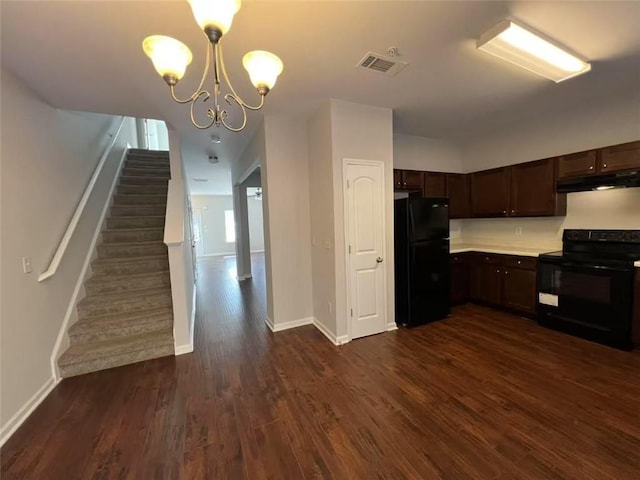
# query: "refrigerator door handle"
[[411, 223]]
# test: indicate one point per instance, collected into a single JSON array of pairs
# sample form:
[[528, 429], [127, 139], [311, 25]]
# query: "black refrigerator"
[[422, 269]]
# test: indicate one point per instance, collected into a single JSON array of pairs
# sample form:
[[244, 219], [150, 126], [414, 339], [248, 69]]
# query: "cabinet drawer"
[[490, 258], [527, 263]]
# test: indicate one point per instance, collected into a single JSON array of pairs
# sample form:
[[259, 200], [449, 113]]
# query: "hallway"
[[481, 395]]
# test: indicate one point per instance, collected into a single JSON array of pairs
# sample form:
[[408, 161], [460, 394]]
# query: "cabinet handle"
[[591, 167], [498, 271], [519, 262], [513, 211], [604, 165], [506, 272], [504, 212], [486, 258]]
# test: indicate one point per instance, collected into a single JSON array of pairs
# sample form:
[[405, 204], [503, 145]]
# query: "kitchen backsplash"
[[616, 209]]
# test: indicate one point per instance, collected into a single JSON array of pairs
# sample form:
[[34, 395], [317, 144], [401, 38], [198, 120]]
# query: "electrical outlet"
[[26, 264], [518, 231]]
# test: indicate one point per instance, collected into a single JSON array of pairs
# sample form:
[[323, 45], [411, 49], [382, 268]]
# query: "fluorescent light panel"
[[515, 44]]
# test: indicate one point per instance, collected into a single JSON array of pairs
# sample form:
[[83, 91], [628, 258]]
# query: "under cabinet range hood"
[[599, 182]]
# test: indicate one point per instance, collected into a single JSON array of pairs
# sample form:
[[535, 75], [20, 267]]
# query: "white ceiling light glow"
[[515, 44]]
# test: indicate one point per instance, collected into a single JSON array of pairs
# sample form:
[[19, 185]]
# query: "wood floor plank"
[[480, 395]]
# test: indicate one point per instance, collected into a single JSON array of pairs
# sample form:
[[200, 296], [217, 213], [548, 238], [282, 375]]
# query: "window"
[[229, 226]]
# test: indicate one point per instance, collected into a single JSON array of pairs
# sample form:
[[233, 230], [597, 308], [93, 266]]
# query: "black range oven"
[[587, 289]]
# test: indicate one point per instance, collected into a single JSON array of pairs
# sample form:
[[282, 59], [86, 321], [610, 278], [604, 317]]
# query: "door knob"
[[379, 260]]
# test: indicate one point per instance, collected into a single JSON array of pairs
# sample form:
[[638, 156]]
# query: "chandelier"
[[171, 57]]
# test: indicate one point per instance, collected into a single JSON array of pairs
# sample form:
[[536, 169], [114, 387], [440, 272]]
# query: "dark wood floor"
[[481, 395]]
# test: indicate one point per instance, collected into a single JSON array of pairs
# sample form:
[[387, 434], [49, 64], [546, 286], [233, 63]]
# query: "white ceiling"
[[87, 56]]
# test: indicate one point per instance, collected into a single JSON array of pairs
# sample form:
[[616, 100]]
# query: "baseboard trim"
[[182, 349], [292, 324], [341, 340], [392, 326], [188, 348], [26, 410], [269, 323], [73, 302]]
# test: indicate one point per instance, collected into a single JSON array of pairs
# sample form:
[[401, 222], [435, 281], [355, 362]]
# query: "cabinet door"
[[487, 283], [490, 192], [577, 164], [435, 184], [413, 180], [458, 193], [397, 179], [519, 289], [459, 280], [620, 157], [533, 190]]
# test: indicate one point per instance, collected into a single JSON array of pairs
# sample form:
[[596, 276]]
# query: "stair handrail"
[[73, 223]]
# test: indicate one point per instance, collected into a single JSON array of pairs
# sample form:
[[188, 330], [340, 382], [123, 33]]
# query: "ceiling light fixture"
[[171, 57], [520, 46]]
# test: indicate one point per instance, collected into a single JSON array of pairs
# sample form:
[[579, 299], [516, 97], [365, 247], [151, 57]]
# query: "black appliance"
[[421, 258], [599, 182], [587, 289]]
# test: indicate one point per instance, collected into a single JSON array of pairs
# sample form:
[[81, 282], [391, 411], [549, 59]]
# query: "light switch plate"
[[26, 264]]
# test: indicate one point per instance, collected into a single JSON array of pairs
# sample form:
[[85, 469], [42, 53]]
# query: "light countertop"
[[500, 249], [637, 264]]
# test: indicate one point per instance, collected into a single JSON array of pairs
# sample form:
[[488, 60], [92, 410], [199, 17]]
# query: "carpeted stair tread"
[[143, 180], [126, 222], [131, 249], [142, 189], [154, 172], [104, 327], [120, 260], [135, 199], [89, 357], [118, 235], [137, 210], [120, 297], [101, 284]]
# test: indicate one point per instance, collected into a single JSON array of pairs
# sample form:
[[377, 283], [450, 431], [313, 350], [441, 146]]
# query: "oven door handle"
[[588, 266]]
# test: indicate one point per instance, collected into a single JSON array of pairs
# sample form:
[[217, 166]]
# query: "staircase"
[[127, 315]]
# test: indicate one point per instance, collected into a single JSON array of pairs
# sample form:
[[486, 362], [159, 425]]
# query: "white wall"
[[285, 186], [48, 156], [420, 153], [533, 139], [321, 217], [177, 237], [212, 208], [582, 129], [360, 132]]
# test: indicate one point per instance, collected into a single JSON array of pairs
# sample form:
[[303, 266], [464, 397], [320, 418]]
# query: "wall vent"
[[382, 64], [200, 180]]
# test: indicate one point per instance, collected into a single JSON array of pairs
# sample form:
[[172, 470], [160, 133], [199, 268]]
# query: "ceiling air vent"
[[381, 63]]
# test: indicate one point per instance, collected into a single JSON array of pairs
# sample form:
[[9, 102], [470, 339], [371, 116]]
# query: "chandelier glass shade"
[[171, 57]]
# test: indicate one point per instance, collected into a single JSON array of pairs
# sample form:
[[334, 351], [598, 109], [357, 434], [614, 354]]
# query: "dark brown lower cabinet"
[[503, 281], [519, 290], [487, 283], [460, 279]]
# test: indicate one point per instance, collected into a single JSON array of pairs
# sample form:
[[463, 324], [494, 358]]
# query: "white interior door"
[[365, 228]]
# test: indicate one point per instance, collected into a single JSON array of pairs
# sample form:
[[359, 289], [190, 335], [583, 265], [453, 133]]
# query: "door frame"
[[346, 222]]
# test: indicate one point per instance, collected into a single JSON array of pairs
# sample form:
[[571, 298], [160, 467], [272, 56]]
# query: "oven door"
[[588, 300]]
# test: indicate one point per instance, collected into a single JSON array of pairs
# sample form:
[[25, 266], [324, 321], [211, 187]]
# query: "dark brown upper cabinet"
[[397, 179], [435, 184], [490, 191], [533, 190], [620, 157], [577, 164], [458, 192]]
